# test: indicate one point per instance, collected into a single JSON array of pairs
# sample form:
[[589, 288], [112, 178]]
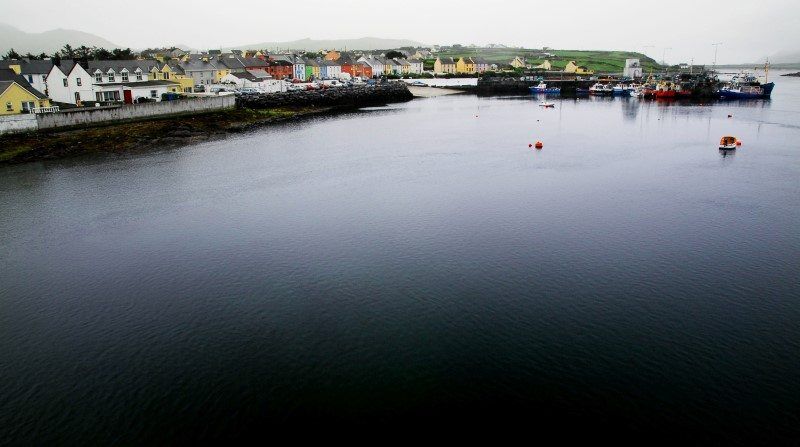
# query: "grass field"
[[599, 61]]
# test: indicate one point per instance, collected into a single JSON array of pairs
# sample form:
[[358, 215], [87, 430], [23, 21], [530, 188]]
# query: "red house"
[[355, 69], [280, 69]]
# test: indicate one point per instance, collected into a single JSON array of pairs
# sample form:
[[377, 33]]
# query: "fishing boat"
[[621, 90], [728, 143], [665, 90], [601, 89], [543, 88], [748, 86], [547, 105]]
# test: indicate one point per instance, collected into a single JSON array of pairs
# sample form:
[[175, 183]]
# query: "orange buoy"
[[738, 143], [539, 145]]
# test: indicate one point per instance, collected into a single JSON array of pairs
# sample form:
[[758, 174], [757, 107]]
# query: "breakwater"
[[357, 96]]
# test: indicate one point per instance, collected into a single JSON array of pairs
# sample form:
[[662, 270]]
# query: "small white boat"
[[601, 89], [547, 104]]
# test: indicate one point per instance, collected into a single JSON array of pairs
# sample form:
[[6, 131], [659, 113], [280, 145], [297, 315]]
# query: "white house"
[[330, 70], [633, 69], [377, 66], [415, 66], [257, 79], [69, 83]]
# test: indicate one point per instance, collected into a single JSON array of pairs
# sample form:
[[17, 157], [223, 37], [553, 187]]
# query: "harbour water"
[[411, 265]]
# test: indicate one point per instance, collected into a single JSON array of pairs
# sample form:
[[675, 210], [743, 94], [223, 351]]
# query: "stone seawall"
[[89, 116], [357, 96]]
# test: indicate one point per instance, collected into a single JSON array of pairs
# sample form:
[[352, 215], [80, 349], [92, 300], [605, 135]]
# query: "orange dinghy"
[[728, 143]]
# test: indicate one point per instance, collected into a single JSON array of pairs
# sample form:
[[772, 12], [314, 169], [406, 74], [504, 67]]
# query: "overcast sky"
[[749, 29]]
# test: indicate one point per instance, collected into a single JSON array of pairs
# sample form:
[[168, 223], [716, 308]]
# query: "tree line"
[[81, 53]]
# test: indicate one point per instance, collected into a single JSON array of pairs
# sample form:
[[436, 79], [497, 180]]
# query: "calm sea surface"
[[413, 265]]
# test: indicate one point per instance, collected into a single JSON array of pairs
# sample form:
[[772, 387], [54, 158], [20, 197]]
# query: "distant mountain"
[[785, 57], [364, 43], [48, 41]]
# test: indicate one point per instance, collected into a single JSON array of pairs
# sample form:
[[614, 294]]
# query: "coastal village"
[[51, 85], [85, 87]]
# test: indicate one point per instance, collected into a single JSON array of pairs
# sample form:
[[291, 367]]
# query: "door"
[[128, 97]]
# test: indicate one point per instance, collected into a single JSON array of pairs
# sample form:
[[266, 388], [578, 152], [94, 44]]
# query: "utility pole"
[[716, 46]]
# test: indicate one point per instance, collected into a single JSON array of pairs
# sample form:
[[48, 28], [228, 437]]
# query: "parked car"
[[199, 88]]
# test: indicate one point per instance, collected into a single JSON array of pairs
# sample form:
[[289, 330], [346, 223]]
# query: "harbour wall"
[[17, 123], [133, 112]]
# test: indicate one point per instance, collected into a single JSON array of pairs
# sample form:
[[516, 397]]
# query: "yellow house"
[[17, 95], [546, 65], [444, 65], [518, 62], [573, 67], [465, 65], [185, 83]]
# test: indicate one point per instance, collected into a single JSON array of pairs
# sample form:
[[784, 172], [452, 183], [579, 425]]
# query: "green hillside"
[[599, 61]]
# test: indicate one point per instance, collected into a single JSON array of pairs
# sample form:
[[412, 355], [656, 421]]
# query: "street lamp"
[[716, 47], [664, 56]]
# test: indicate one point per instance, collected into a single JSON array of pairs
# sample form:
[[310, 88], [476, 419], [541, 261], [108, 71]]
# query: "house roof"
[[9, 75], [197, 65], [446, 60], [4, 85], [260, 73], [29, 67], [118, 66]]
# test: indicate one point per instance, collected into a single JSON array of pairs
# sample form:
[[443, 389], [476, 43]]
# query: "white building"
[[69, 83], [416, 66], [257, 79], [633, 69], [376, 65]]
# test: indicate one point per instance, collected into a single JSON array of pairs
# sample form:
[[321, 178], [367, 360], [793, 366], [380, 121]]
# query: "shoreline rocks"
[[356, 96]]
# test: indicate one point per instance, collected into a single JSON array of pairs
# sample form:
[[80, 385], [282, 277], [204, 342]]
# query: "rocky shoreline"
[[358, 96], [794, 75], [176, 131]]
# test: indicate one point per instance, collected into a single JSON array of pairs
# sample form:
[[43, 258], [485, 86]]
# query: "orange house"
[[357, 69]]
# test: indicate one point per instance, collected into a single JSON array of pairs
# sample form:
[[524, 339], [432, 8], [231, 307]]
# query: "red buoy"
[[539, 145], [738, 143]]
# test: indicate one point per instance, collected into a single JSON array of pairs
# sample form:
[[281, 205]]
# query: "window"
[[27, 106], [166, 75], [153, 94], [65, 82], [138, 76], [30, 78], [9, 107], [78, 81], [111, 77], [125, 77], [98, 78]]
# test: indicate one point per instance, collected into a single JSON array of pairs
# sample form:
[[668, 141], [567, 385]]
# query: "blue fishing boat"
[[748, 86], [543, 88]]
